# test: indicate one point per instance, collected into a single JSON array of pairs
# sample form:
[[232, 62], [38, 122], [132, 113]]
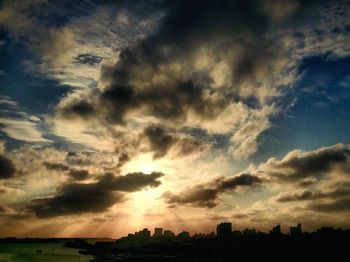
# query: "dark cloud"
[[205, 195], [130, 182], [297, 166], [300, 196], [3, 208], [56, 166], [78, 174], [90, 59], [76, 198], [339, 205], [122, 159], [73, 173], [318, 162], [304, 195], [189, 145], [77, 108], [187, 26], [7, 168], [197, 196], [240, 216], [169, 102], [241, 180], [160, 140], [9, 213]]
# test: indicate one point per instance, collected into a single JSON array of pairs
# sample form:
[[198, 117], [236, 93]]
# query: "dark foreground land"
[[333, 245]]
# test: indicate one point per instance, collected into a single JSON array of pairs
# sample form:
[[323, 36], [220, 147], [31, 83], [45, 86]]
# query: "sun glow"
[[147, 169], [143, 163]]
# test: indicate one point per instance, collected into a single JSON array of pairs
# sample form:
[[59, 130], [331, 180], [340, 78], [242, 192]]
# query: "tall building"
[[184, 235], [276, 230], [168, 234], [143, 234], [158, 232], [296, 230], [224, 230]]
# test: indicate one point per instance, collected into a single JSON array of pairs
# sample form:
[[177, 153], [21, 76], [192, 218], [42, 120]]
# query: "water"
[[27, 252]]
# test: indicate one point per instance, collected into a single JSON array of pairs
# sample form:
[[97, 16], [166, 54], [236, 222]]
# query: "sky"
[[120, 115]]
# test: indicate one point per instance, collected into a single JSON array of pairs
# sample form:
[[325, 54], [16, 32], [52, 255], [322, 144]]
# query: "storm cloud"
[[206, 195], [203, 58], [298, 166], [208, 91], [161, 140], [77, 198], [319, 180], [7, 168], [305, 195], [78, 174], [56, 166], [336, 206]]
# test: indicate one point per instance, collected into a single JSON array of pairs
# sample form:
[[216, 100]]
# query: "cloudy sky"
[[119, 115]]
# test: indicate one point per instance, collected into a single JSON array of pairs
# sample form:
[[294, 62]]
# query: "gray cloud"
[[305, 195], [189, 145], [205, 195], [299, 196], [221, 27], [78, 174], [3, 208], [201, 59], [319, 177], [297, 166], [56, 166], [7, 168], [339, 205], [130, 182], [11, 214], [122, 159], [78, 108], [160, 141], [76, 198]]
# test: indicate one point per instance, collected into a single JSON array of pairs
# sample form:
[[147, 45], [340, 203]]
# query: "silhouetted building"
[[184, 235], [236, 233], [224, 230], [158, 232], [198, 236], [327, 241], [276, 230], [325, 230], [143, 234], [295, 230], [168, 234], [211, 235], [249, 232]]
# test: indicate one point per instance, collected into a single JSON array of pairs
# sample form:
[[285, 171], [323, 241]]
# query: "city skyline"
[[227, 244], [223, 231], [176, 114]]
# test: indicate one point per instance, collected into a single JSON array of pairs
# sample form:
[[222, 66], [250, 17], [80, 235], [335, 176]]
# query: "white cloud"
[[57, 49], [17, 124], [327, 35], [21, 129], [8, 102]]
